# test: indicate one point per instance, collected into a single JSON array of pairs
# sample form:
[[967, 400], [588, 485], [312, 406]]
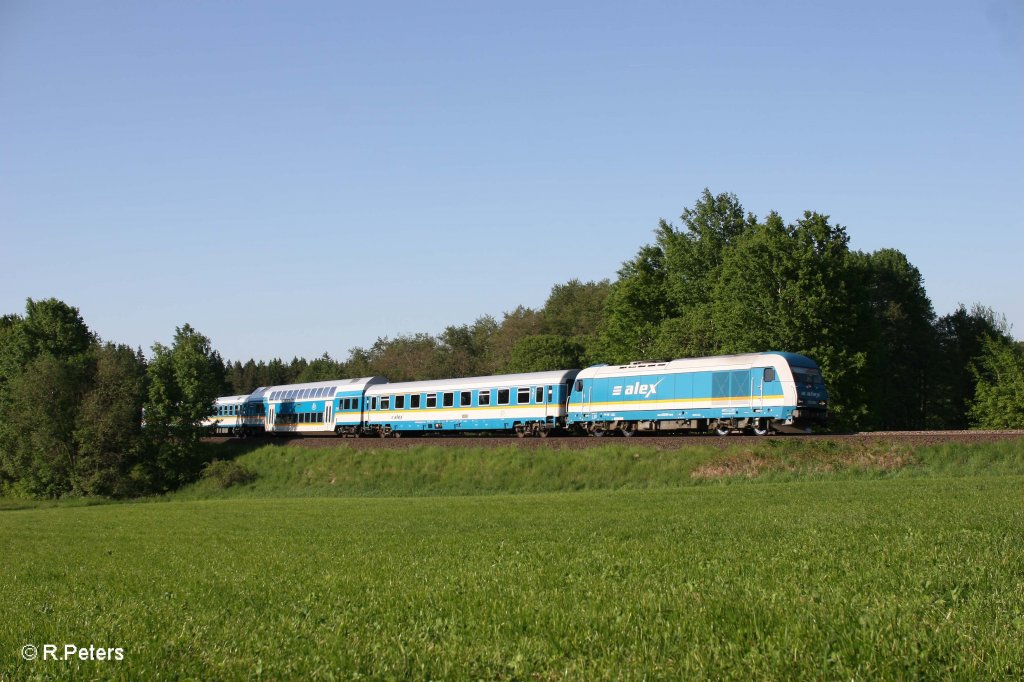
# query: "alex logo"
[[645, 390]]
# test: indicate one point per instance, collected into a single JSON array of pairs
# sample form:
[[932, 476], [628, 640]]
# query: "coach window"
[[373, 403], [483, 398], [538, 395], [523, 396], [414, 401], [449, 399], [355, 403], [399, 402], [431, 400], [503, 394], [385, 402], [465, 398]]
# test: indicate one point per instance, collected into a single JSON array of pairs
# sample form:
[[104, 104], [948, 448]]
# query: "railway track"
[[660, 442]]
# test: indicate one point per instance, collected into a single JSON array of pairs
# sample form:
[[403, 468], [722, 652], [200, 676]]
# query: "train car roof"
[[494, 381], [257, 395], [230, 399], [340, 384]]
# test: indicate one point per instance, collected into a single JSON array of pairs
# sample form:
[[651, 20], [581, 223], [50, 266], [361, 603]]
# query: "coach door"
[[329, 415]]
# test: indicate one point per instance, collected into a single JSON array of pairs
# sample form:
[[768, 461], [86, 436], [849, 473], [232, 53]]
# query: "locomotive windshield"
[[807, 375]]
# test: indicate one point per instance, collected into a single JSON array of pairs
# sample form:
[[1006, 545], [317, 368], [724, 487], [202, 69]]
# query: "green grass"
[[800, 572], [425, 470]]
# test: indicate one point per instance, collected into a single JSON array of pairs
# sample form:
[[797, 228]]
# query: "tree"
[[545, 352], [515, 326], [635, 308], [44, 370], [108, 424], [961, 338], [467, 348], [694, 255], [897, 326], [184, 381], [788, 288], [324, 368], [40, 454], [999, 395]]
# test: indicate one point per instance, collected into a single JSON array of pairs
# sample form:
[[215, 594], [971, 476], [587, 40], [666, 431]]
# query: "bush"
[[227, 473]]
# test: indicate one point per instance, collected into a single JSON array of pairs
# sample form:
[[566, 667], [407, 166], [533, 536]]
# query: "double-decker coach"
[[762, 392], [524, 404], [317, 407]]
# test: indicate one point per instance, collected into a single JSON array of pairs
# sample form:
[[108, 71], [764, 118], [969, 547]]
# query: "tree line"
[[722, 281]]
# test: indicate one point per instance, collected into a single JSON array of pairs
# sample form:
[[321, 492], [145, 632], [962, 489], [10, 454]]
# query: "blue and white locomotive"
[[762, 392], [756, 392]]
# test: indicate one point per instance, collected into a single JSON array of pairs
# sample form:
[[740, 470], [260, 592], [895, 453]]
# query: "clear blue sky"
[[296, 177]]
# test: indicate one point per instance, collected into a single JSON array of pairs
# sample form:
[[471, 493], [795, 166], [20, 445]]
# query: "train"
[[757, 393]]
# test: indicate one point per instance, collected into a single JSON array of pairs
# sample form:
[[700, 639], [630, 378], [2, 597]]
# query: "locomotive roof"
[[743, 360]]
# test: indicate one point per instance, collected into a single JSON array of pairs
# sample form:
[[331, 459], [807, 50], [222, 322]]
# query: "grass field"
[[818, 566]]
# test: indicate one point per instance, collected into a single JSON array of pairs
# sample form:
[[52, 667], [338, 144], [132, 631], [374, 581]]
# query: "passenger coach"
[[524, 404], [762, 392], [226, 418], [317, 407]]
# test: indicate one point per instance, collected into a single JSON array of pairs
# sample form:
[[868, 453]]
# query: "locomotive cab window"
[[579, 386], [769, 374]]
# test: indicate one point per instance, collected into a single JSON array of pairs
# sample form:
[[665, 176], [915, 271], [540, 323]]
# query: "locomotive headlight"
[[823, 403]]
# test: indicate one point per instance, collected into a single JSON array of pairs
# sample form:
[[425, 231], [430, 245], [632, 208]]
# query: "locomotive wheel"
[[598, 431], [544, 433], [722, 430], [762, 427], [629, 431]]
